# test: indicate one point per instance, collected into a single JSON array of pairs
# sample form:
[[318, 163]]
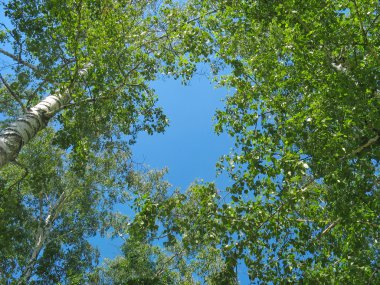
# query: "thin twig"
[[270, 217], [365, 34], [13, 94], [162, 269], [23, 176]]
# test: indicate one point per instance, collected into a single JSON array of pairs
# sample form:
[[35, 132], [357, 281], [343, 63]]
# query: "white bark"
[[27, 126]]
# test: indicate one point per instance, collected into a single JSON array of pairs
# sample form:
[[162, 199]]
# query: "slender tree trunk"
[[27, 126], [41, 238]]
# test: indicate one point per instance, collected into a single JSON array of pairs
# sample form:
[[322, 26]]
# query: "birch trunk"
[[27, 126], [20, 132]]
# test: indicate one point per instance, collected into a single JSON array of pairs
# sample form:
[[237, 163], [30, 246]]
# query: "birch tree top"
[[84, 68], [100, 54]]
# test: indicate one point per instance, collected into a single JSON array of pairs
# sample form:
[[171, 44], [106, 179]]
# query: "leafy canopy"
[[303, 109]]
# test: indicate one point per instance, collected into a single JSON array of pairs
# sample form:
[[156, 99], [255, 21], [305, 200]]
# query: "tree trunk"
[[27, 126], [20, 132]]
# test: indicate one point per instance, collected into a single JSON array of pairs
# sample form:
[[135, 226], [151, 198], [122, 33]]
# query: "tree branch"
[[19, 59], [330, 227], [370, 142], [42, 234], [13, 94]]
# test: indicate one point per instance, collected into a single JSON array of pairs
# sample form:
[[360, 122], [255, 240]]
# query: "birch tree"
[[173, 237], [84, 67], [83, 64]]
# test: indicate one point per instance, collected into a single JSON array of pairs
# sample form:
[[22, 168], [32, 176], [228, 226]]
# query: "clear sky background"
[[189, 147]]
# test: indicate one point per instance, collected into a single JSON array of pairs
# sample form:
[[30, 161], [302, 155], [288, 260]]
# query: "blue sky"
[[189, 147]]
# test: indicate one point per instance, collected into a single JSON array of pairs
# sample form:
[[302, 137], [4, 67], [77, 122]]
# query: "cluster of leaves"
[[179, 237], [48, 212]]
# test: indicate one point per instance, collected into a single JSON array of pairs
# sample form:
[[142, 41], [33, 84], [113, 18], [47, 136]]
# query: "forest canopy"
[[303, 111]]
